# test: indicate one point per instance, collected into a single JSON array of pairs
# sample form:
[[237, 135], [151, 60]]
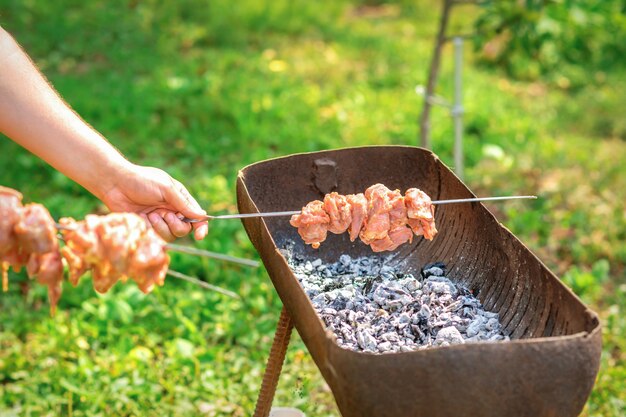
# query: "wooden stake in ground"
[[433, 74]]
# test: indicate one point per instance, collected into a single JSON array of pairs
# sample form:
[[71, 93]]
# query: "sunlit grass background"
[[201, 89]]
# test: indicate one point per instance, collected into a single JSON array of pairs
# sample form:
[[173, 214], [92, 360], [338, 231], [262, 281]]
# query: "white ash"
[[373, 307]]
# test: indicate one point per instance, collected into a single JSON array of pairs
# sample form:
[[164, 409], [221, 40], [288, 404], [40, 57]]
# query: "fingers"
[[170, 227], [178, 227], [158, 224], [182, 201], [201, 230]]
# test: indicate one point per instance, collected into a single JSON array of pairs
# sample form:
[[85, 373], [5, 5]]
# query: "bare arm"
[[34, 116]]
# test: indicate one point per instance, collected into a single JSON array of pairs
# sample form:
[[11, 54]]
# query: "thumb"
[[181, 200]]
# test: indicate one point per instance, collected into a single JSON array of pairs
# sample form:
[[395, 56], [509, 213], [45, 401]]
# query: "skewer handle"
[[241, 216]]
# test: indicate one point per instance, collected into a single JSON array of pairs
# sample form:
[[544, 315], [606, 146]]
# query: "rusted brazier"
[[547, 369]]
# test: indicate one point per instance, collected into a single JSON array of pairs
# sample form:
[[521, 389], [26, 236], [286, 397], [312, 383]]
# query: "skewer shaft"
[[291, 213], [212, 255], [247, 215], [472, 200], [202, 284]]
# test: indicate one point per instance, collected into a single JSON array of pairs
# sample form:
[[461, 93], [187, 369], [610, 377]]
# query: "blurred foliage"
[[530, 38], [572, 44], [588, 284], [201, 89]]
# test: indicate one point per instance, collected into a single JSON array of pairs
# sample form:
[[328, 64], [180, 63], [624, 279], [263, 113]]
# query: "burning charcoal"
[[492, 324], [390, 337], [371, 306], [424, 312], [365, 340], [411, 284], [491, 315], [371, 284], [384, 346], [319, 299], [404, 319], [437, 269], [474, 328], [345, 260], [449, 336], [329, 311], [455, 306], [391, 298], [443, 320]]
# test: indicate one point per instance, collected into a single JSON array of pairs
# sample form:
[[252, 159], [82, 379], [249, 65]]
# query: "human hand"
[[35, 117], [158, 198]]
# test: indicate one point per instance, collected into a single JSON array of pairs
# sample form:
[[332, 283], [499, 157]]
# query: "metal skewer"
[[60, 226], [472, 200], [202, 284], [212, 255], [291, 213], [255, 264]]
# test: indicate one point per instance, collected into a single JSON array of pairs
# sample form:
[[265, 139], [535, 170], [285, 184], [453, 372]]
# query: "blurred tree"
[[433, 73], [562, 38]]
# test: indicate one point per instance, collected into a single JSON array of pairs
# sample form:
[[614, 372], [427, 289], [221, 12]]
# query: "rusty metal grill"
[[547, 369]]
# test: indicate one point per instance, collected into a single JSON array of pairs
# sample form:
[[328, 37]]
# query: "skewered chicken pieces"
[[312, 223], [114, 247], [28, 237], [381, 218]]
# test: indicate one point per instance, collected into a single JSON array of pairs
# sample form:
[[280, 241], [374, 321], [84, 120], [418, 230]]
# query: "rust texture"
[[325, 175], [549, 367]]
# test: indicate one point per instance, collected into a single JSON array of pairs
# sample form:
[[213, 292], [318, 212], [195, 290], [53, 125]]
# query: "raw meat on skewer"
[[381, 218]]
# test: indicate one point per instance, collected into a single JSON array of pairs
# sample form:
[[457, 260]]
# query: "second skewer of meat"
[[28, 238], [114, 247], [381, 218]]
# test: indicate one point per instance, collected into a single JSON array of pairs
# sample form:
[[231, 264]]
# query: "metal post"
[[457, 108], [274, 365]]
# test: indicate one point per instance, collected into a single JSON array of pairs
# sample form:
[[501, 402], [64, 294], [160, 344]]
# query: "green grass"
[[201, 89]]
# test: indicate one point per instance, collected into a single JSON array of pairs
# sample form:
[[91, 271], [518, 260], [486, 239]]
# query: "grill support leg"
[[274, 364]]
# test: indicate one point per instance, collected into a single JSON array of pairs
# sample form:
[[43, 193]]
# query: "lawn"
[[202, 89]]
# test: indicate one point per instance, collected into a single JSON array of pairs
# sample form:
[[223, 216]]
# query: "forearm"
[[34, 116]]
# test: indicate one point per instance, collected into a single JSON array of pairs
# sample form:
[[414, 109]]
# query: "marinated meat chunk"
[[399, 236], [338, 209], [35, 230], [421, 213], [148, 265], [10, 211], [312, 223], [28, 237], [81, 248], [47, 268], [358, 211], [377, 223]]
